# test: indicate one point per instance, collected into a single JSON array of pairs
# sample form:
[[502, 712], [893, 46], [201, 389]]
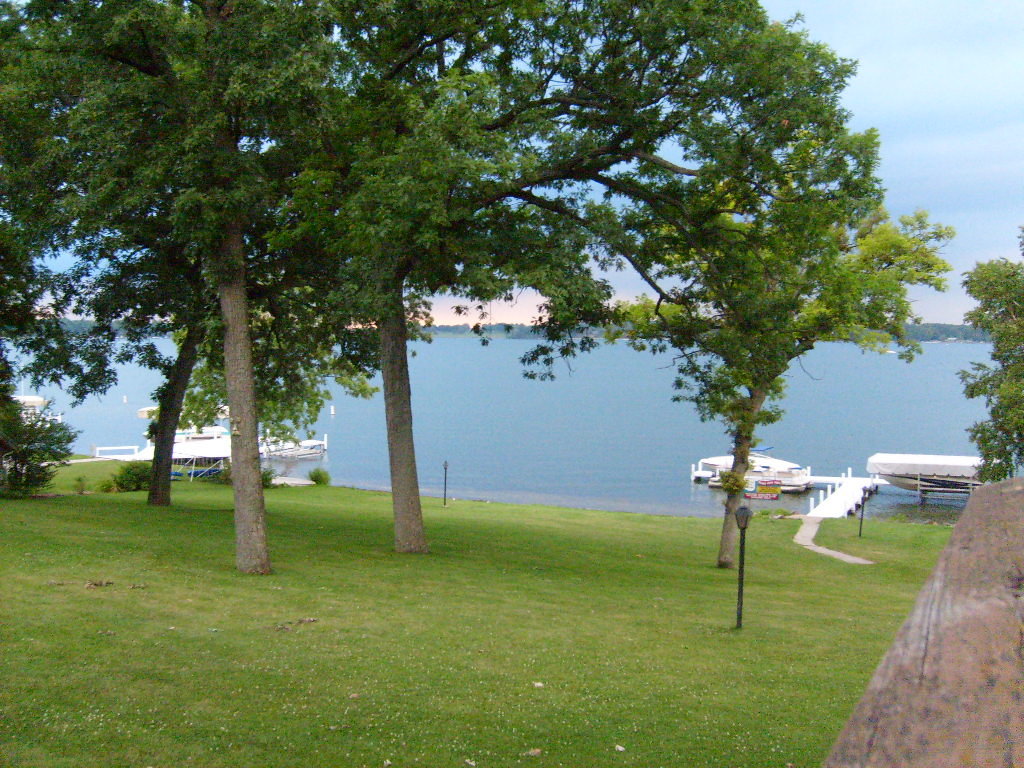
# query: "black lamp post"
[[445, 497], [743, 515]]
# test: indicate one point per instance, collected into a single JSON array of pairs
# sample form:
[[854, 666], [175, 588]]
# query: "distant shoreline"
[[922, 333]]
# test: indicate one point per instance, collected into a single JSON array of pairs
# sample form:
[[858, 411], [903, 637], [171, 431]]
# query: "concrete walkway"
[[805, 538]]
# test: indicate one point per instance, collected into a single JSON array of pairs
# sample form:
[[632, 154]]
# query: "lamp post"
[[445, 496], [743, 515]]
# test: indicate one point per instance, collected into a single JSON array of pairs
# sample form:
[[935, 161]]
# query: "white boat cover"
[[31, 401], [190, 450], [923, 464]]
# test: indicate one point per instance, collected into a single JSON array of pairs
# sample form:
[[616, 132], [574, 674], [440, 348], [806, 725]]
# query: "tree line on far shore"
[[917, 331]]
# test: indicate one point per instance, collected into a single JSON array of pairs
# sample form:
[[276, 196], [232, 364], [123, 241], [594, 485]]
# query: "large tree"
[[998, 287], [461, 157], [218, 86]]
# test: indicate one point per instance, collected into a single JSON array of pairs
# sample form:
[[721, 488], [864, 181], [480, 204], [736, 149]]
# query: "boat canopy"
[[31, 401], [923, 464]]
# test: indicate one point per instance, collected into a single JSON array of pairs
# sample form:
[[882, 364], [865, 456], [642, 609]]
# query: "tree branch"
[[663, 163]]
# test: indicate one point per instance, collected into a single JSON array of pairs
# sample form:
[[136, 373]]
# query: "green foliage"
[[130, 476], [320, 476], [733, 482], [32, 447], [998, 287], [753, 309]]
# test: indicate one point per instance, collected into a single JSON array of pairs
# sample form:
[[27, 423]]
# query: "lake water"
[[605, 434]]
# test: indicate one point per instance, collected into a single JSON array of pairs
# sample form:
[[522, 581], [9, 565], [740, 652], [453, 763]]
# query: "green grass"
[[429, 660]]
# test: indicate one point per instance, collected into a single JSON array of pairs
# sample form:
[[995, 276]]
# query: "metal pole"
[[739, 595], [860, 528], [445, 497]]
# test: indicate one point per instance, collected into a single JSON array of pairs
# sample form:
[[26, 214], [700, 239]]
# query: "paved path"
[[805, 538]]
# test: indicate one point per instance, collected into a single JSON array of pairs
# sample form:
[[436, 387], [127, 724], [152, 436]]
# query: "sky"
[[943, 83]]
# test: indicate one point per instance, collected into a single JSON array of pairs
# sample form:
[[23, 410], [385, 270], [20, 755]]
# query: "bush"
[[219, 478], [319, 476], [130, 476]]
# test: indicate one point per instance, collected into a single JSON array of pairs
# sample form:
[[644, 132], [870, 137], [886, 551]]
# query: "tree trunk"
[[170, 398], [251, 553], [743, 440], [405, 485]]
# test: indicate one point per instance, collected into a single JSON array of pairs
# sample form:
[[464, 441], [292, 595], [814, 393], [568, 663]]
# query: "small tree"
[[998, 286], [32, 447], [751, 309]]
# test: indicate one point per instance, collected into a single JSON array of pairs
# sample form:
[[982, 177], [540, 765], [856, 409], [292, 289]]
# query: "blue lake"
[[605, 434]]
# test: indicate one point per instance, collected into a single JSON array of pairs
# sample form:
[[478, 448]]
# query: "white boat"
[[793, 478], [927, 473]]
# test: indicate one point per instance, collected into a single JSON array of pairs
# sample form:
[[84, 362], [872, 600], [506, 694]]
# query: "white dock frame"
[[842, 496]]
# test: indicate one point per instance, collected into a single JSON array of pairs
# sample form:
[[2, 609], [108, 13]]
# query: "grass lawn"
[[571, 632]]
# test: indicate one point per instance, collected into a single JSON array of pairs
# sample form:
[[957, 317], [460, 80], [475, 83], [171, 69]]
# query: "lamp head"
[[743, 515]]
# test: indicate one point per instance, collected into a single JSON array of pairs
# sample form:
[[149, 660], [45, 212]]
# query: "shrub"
[[130, 476], [224, 477], [31, 449], [319, 476]]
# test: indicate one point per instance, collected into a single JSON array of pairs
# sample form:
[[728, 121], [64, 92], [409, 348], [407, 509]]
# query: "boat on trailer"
[[762, 470], [927, 473]]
